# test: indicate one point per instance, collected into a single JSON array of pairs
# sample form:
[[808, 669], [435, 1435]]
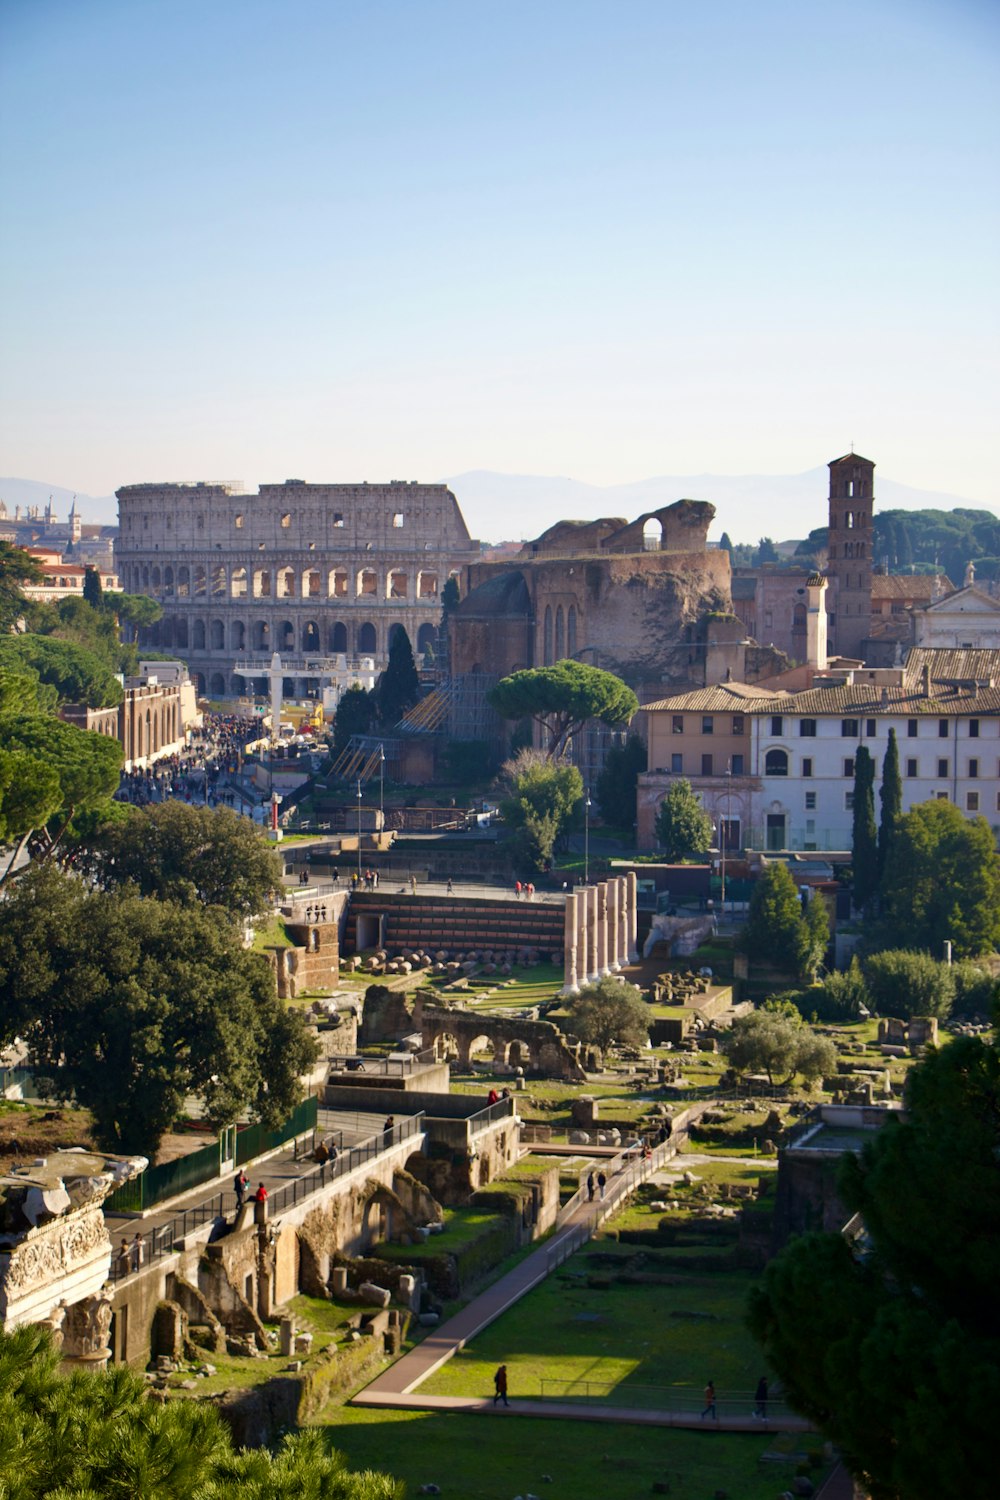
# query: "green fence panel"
[[255, 1140]]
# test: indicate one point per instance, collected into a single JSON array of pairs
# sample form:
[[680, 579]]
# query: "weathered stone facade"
[[312, 571]]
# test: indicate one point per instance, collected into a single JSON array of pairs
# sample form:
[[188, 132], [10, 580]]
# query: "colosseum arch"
[[427, 585], [394, 630], [338, 637], [156, 583], [337, 583], [367, 638], [167, 631], [310, 583], [217, 685], [145, 579], [261, 635], [181, 633], [426, 638], [285, 640], [200, 582], [217, 636], [238, 583], [397, 583], [198, 635], [262, 583], [237, 636], [310, 637], [367, 583], [168, 582], [286, 583], [219, 582], [184, 583]]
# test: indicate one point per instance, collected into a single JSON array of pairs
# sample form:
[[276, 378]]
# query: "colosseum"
[[316, 572]]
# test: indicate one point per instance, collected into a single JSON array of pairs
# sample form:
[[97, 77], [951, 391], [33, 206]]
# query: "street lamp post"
[[381, 788], [586, 837], [359, 828], [725, 830]]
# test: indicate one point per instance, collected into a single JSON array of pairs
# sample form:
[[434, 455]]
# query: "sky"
[[409, 238]]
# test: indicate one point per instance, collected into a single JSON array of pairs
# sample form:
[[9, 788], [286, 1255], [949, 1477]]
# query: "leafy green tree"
[[775, 1040], [683, 827], [21, 692], [77, 674], [617, 782], [817, 935], [902, 983], [399, 685], [134, 1004], [356, 714], [608, 1012], [767, 552], [942, 881], [175, 852], [977, 991], [99, 1436], [92, 590], [87, 766], [893, 1348], [538, 803], [30, 795], [449, 599], [842, 995], [561, 699], [775, 933], [17, 567], [133, 612], [725, 543], [891, 795], [864, 835]]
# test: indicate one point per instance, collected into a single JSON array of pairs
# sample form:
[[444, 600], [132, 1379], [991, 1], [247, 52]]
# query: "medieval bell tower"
[[852, 501]]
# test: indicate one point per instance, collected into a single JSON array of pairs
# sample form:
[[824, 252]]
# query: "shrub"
[[906, 984], [976, 990], [843, 994]]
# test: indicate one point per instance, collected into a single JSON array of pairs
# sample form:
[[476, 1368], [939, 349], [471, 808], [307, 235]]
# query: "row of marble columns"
[[601, 931]]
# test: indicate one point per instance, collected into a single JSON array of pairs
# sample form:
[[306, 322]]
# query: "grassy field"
[[481, 1458]]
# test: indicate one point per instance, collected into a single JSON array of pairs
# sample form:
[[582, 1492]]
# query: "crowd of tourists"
[[201, 772]]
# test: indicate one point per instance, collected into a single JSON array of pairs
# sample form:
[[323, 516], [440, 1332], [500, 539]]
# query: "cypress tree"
[[864, 840], [92, 591], [891, 797]]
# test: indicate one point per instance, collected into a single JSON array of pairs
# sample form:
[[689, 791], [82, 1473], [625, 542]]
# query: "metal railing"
[[503, 1109], [163, 1239], [380, 1067]]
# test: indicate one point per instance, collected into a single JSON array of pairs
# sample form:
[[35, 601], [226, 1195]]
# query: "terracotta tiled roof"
[[866, 698], [953, 664], [920, 586], [725, 697]]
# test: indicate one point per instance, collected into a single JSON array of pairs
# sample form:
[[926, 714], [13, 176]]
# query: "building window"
[[238, 522], [810, 801], [707, 724], [807, 729], [848, 801], [776, 763], [972, 801], [942, 729], [677, 764], [738, 724], [942, 769], [973, 729], [777, 724], [973, 769], [807, 766], [911, 729], [871, 728], [849, 729], [737, 765], [848, 765], [338, 519], [706, 765], [397, 520], [677, 724], [911, 768]]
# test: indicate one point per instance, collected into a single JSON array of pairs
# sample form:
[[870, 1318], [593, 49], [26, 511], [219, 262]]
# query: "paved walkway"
[[398, 1386]]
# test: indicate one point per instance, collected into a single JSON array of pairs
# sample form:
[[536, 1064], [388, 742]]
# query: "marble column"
[[571, 983], [602, 930], [622, 921], [633, 919], [593, 973], [614, 963]]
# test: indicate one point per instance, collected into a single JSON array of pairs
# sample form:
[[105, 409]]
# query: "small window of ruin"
[[397, 520], [238, 522], [338, 519], [286, 519]]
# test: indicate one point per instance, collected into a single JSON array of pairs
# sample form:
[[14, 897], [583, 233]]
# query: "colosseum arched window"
[[166, 632], [219, 582], [286, 583], [427, 585], [397, 584], [286, 636], [198, 635], [216, 685], [156, 582], [237, 636], [183, 583], [168, 582], [310, 636], [310, 583], [200, 582], [338, 637], [217, 635], [238, 583], [261, 635], [262, 583], [338, 583], [181, 630], [367, 638], [367, 583], [426, 639]]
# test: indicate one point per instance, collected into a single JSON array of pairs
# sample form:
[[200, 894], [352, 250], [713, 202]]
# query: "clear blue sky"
[[406, 238]]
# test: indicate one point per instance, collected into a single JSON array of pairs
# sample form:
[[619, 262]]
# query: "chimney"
[[816, 655], [925, 680], [885, 697]]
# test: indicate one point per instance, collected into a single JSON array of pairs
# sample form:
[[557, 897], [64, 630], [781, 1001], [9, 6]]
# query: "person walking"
[[451, 887], [389, 1125], [710, 1402], [760, 1399], [240, 1186], [590, 1188], [500, 1386], [138, 1246], [602, 1183], [517, 890], [123, 1258]]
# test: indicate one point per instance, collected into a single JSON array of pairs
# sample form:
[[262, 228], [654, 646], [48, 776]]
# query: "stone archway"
[[480, 1049], [519, 1054]]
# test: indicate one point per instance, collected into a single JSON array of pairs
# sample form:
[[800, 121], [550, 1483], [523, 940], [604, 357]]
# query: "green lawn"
[[479, 1458]]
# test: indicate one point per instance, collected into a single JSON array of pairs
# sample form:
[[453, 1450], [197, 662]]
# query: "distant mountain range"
[[500, 507]]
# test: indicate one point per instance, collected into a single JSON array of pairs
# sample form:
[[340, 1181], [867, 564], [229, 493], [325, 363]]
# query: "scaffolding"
[[471, 716]]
